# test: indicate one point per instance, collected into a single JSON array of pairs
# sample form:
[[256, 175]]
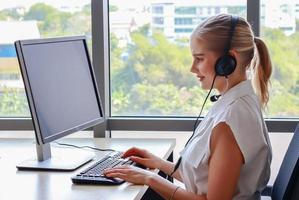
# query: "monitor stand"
[[66, 160]]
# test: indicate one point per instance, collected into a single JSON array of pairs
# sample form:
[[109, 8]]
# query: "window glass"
[[150, 57], [29, 20], [279, 29]]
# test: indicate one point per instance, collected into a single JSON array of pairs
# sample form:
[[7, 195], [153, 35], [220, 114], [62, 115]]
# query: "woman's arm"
[[225, 164], [226, 161], [167, 189], [144, 177], [167, 167], [151, 161]]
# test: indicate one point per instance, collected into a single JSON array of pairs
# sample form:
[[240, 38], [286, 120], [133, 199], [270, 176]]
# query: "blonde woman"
[[229, 154]]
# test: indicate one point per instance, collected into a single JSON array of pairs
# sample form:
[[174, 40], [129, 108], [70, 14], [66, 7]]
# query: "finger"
[[134, 152], [128, 153], [117, 175], [117, 170], [139, 160], [114, 168], [122, 167]]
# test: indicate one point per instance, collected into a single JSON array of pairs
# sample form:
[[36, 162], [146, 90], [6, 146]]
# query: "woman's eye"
[[198, 59]]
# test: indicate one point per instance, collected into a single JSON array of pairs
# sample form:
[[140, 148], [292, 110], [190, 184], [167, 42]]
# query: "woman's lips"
[[200, 78]]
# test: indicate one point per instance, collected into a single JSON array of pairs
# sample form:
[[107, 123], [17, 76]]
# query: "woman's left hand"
[[130, 173]]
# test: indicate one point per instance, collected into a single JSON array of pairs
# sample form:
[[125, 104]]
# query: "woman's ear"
[[233, 53]]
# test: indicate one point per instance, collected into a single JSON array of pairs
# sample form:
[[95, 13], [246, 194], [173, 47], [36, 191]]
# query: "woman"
[[229, 154]]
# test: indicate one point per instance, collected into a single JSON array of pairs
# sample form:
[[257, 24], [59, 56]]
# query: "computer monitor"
[[62, 95]]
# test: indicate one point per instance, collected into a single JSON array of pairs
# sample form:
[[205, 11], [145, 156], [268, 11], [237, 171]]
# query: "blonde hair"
[[253, 51]]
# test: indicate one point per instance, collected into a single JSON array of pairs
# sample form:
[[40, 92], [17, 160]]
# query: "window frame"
[[101, 63]]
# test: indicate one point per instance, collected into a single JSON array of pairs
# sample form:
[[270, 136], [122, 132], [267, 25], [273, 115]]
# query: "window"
[[209, 10], [217, 10], [183, 21], [183, 30], [157, 9], [158, 20], [185, 10], [279, 29], [146, 59], [150, 69], [29, 20]]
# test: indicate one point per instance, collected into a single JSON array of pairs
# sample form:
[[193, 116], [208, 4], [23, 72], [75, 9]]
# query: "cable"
[[195, 125], [82, 147]]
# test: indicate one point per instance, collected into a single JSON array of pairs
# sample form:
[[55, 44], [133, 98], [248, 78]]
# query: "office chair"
[[286, 185]]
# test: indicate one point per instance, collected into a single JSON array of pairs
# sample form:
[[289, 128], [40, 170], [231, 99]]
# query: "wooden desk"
[[41, 185]]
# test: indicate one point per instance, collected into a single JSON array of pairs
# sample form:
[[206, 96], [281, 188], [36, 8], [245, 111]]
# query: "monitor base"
[[56, 163]]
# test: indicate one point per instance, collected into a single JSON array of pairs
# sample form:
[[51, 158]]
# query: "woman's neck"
[[229, 83]]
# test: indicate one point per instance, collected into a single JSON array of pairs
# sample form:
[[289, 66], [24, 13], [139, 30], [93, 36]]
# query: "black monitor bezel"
[[39, 137]]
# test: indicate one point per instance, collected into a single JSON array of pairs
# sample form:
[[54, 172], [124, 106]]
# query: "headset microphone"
[[214, 98]]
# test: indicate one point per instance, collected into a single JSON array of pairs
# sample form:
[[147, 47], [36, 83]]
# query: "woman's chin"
[[204, 86]]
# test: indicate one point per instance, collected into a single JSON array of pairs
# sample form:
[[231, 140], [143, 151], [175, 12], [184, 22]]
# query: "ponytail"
[[262, 68]]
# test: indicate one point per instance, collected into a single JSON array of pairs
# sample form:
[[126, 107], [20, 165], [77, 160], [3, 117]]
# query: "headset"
[[225, 65]]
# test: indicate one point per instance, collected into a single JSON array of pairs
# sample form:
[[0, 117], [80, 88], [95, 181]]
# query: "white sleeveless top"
[[240, 109]]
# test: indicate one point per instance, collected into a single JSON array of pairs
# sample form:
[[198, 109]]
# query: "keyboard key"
[[94, 174]]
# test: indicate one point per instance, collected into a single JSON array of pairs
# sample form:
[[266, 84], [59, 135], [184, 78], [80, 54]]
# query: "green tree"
[[51, 21], [113, 8], [40, 12], [13, 102], [10, 14], [153, 78], [284, 53]]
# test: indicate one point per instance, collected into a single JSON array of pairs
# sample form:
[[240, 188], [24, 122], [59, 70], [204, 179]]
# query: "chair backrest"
[[287, 179]]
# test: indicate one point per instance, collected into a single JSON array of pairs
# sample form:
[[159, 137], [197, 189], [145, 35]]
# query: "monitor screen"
[[60, 86]]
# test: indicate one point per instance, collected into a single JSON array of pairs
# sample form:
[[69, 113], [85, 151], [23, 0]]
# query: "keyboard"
[[94, 173]]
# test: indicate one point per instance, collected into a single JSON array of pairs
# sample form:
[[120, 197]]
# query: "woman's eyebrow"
[[198, 54]]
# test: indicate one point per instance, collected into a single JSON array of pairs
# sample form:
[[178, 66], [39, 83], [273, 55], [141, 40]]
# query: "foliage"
[[156, 81], [13, 102], [150, 75], [52, 22], [113, 8], [151, 89], [9, 14], [284, 51]]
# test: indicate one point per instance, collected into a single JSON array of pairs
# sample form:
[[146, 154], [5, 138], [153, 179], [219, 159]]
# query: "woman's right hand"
[[143, 157]]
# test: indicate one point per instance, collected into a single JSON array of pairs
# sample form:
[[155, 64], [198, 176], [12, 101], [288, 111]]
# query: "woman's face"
[[203, 65]]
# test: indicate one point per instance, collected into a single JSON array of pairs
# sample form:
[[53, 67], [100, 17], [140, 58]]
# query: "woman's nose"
[[193, 68]]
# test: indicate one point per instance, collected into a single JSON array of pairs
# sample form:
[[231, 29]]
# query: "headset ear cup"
[[225, 65]]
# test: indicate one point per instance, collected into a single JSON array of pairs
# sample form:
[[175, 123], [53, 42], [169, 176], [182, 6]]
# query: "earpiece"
[[226, 64]]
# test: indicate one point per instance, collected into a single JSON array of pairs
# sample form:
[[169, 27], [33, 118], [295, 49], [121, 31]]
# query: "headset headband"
[[234, 21]]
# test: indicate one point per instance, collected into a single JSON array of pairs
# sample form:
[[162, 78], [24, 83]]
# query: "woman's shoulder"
[[244, 118], [243, 108]]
